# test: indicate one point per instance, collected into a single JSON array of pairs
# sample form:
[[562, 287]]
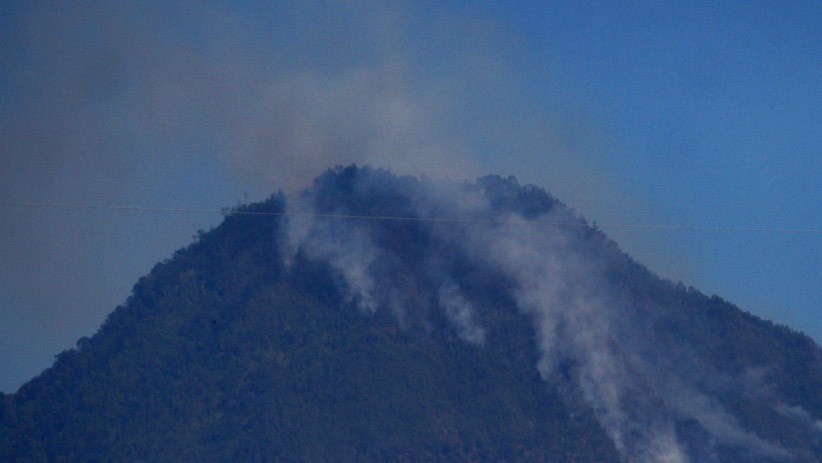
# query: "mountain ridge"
[[277, 338]]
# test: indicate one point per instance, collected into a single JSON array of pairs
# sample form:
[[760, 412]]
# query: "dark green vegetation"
[[227, 353]]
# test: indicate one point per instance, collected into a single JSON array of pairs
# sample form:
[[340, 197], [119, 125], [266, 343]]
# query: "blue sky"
[[684, 113], [712, 116]]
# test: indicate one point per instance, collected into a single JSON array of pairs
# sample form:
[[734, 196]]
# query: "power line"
[[410, 218]]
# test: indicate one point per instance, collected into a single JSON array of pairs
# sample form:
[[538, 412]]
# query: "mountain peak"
[[376, 317]]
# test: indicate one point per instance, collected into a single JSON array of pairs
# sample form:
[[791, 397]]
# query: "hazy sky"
[[659, 113]]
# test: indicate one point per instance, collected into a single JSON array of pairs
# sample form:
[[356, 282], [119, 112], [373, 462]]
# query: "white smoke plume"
[[116, 100], [346, 247], [177, 104], [588, 333], [460, 313]]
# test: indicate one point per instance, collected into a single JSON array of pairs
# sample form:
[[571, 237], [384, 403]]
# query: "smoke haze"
[[597, 340], [205, 104], [175, 104]]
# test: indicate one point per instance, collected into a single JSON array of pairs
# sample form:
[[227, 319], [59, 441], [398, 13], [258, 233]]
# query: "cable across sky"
[[639, 226]]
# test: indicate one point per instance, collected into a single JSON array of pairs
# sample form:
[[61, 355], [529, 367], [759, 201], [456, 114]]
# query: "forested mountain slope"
[[323, 337]]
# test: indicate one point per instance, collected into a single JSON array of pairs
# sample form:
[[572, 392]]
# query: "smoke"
[[187, 105], [461, 313], [798, 413], [183, 104], [203, 105], [639, 386], [578, 322], [595, 342], [348, 249], [117, 83]]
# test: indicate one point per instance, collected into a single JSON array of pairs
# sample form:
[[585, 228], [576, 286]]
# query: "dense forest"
[[518, 333]]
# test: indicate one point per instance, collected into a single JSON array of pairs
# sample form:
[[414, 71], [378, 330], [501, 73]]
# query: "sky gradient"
[[671, 113]]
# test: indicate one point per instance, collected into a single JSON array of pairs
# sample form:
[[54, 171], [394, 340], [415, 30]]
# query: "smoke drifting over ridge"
[[182, 104], [607, 348], [175, 104], [273, 98]]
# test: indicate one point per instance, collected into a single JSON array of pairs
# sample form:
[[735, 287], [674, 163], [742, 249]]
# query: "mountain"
[[382, 318]]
